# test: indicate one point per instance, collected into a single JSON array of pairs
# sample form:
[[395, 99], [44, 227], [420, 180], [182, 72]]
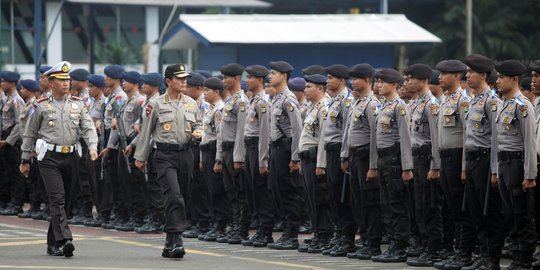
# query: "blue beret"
[[115, 71], [257, 71], [10, 76], [153, 79], [389, 75], [281, 66], [338, 70], [362, 71], [205, 73], [479, 63], [419, 71], [162, 88], [313, 69], [451, 66], [297, 84], [195, 79], [316, 79], [220, 76], [18, 86], [132, 77], [511, 68], [214, 84], [232, 70], [79, 74], [44, 69], [30, 85], [96, 80]]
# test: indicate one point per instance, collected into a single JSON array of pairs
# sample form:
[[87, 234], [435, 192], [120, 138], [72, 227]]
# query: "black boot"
[[395, 253], [177, 246], [216, 232], [323, 243], [289, 240], [249, 242], [346, 246], [168, 246], [426, 259], [264, 239]]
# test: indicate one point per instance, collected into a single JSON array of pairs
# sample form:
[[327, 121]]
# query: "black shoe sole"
[[178, 253], [68, 250]]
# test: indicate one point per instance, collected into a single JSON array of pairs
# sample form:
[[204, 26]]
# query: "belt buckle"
[[65, 149]]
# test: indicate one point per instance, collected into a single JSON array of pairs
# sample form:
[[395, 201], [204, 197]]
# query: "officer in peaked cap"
[[55, 143]]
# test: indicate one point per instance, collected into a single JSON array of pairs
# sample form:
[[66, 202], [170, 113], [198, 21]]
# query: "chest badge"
[[51, 124], [167, 127]]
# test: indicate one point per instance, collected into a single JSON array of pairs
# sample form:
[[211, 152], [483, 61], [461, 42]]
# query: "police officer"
[[219, 203], [284, 162], [481, 142], [517, 161], [113, 79], [359, 152], [172, 121], [451, 127], [313, 161], [427, 189], [394, 164], [54, 127], [151, 83], [257, 140], [44, 87], [12, 184], [297, 86], [338, 182], [199, 204], [535, 88], [232, 150]]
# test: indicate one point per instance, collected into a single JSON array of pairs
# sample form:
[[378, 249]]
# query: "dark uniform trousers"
[[111, 174], [199, 204], [219, 203], [453, 188], [285, 186], [537, 199], [519, 203], [317, 196], [59, 172], [12, 183], [427, 200], [86, 185], [259, 193], [365, 196], [338, 188], [174, 168], [394, 195], [132, 187], [490, 231], [153, 193], [234, 183], [35, 187]]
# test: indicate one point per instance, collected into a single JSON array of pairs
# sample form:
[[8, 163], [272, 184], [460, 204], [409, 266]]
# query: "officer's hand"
[[93, 155], [528, 184], [201, 167], [218, 167], [294, 166], [113, 124], [140, 165], [25, 169], [463, 176], [494, 180], [238, 166], [372, 175], [433, 175], [105, 153], [345, 166], [407, 175], [263, 171], [3, 144], [98, 126], [319, 172], [137, 128], [128, 150], [197, 134]]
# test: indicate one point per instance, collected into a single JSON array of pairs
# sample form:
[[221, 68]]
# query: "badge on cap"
[[65, 68]]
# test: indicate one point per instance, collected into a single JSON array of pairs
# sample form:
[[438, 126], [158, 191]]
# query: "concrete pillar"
[[54, 46], [152, 36]]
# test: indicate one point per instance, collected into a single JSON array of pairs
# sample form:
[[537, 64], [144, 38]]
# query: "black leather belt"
[[209, 146], [227, 146], [280, 142], [392, 150], [359, 148], [508, 155], [423, 150], [172, 147], [250, 141], [444, 153], [332, 147], [476, 154]]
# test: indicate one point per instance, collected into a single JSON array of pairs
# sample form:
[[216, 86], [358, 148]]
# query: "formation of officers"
[[438, 164]]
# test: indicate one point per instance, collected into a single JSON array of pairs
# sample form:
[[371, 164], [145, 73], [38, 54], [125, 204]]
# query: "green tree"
[[115, 53]]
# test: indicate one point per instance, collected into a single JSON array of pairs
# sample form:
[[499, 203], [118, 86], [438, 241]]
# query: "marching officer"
[[517, 161], [394, 164], [257, 140], [52, 132], [172, 121]]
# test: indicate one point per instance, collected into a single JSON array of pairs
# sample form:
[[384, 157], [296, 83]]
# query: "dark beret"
[[257, 71], [177, 70], [434, 77], [535, 66], [132, 77], [195, 79], [115, 71], [419, 71], [479, 63], [281, 66], [511, 68], [316, 79], [451, 66], [30, 85], [162, 88], [79, 74], [362, 71], [525, 83], [313, 69], [18, 86], [219, 76], [338, 70], [10, 76], [44, 69], [96, 80], [153, 79], [389, 75], [214, 84], [297, 84], [232, 70], [205, 73]]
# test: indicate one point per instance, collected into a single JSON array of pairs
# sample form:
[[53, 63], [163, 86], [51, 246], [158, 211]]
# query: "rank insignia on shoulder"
[[242, 106], [523, 110], [493, 105], [402, 110], [347, 103], [41, 99], [290, 107], [435, 109]]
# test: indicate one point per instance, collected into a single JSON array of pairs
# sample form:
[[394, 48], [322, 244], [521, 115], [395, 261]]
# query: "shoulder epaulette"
[[519, 101], [76, 98], [41, 99]]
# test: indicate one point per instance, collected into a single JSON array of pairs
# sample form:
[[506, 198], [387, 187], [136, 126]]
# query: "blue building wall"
[[300, 56]]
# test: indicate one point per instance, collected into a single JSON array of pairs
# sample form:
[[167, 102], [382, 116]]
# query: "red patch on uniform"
[[149, 109], [141, 102]]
